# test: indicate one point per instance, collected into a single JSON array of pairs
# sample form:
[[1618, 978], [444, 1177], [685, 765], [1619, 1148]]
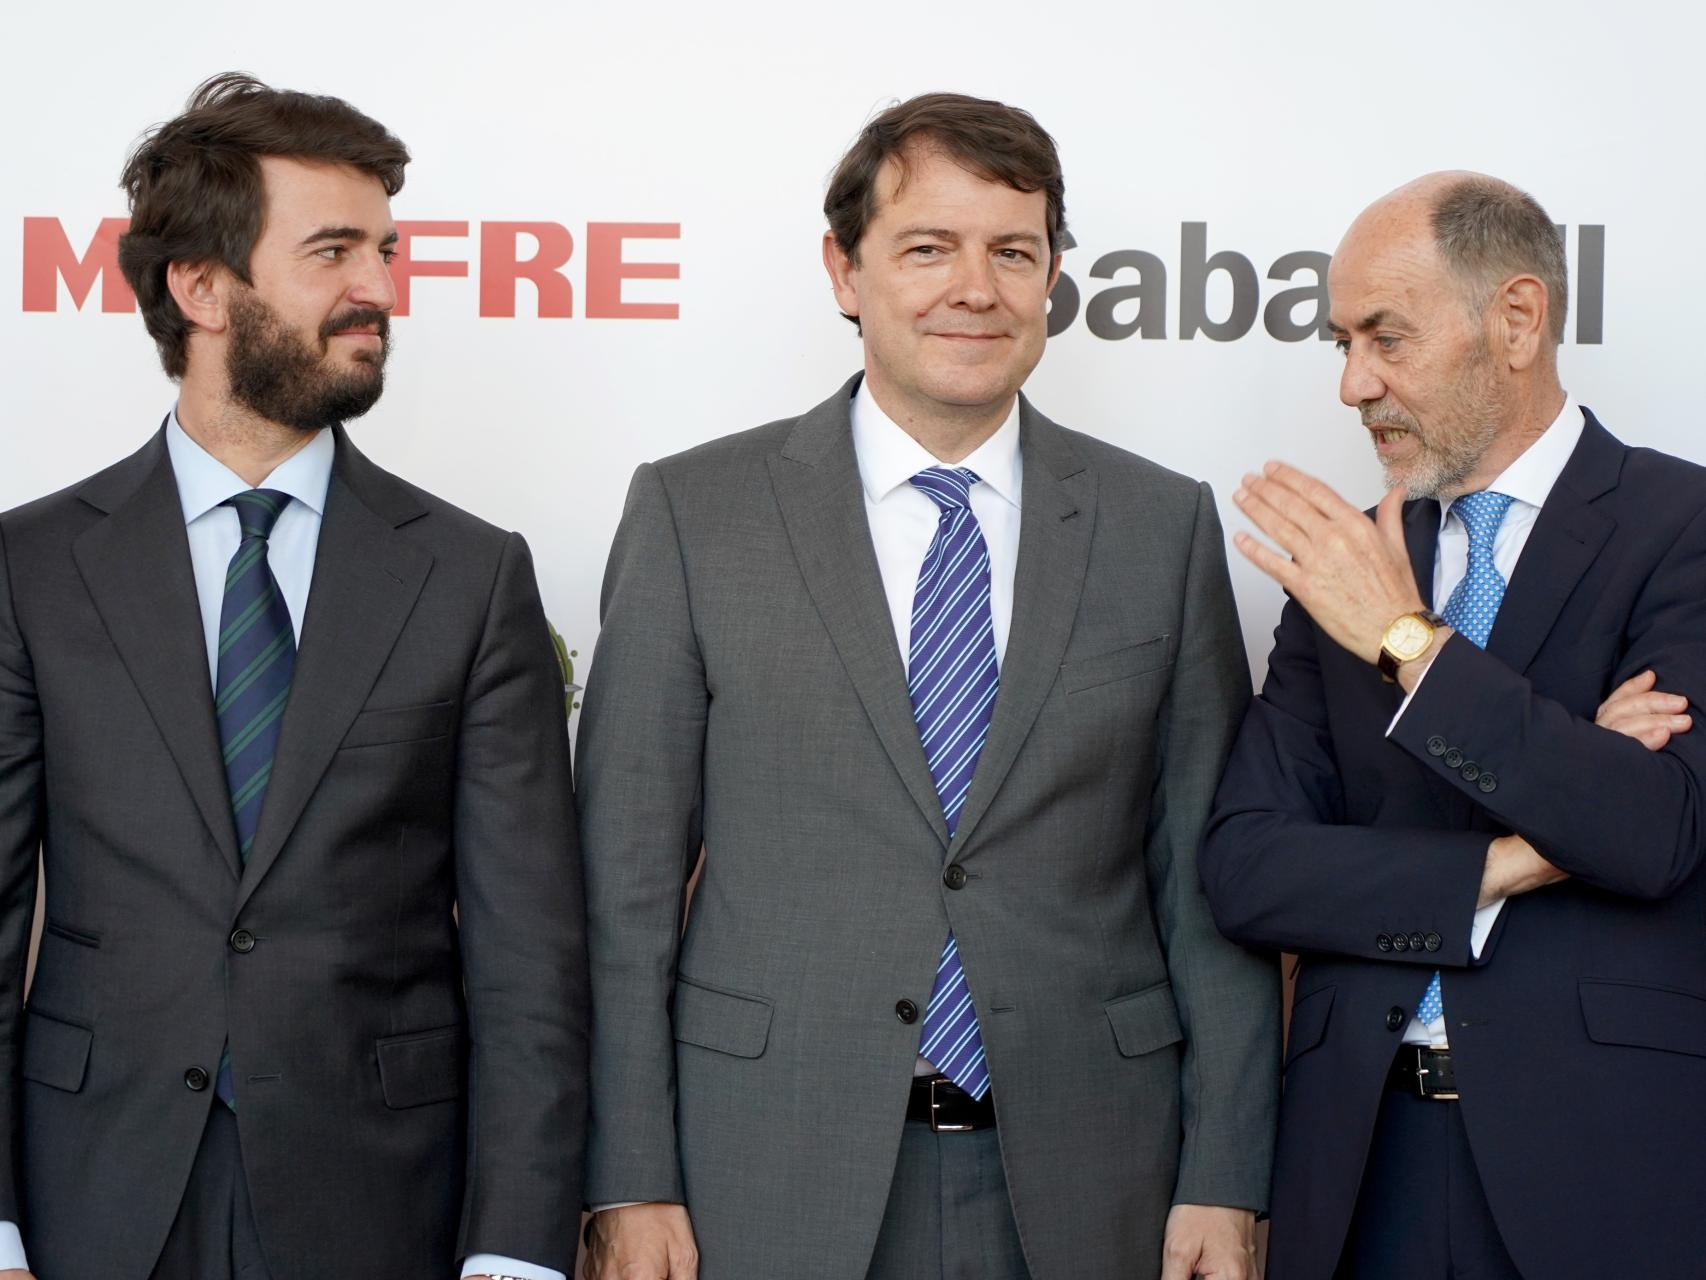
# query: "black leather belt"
[[940, 1103], [1425, 1072]]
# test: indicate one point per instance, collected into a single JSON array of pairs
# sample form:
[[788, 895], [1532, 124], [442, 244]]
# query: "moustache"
[[360, 319], [1385, 415]]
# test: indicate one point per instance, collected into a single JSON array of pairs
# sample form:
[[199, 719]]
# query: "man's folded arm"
[[642, 737], [1283, 869], [1595, 803]]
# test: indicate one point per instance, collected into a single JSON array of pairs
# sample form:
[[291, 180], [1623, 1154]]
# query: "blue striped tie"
[[1470, 612], [257, 656], [952, 678]]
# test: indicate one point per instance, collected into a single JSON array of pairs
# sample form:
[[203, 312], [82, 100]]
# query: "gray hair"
[[1488, 231]]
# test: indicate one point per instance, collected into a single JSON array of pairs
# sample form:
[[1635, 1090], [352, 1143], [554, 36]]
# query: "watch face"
[[1408, 637]]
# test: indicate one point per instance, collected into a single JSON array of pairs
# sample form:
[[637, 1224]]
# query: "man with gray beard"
[[287, 734], [1481, 829]]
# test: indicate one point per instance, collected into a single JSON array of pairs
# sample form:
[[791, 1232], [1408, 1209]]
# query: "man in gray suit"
[[270, 715], [943, 690]]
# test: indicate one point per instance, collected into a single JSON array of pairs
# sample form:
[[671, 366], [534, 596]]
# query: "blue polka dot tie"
[[952, 679], [1470, 612]]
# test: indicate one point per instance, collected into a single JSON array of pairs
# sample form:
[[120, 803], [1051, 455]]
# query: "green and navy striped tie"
[[257, 656]]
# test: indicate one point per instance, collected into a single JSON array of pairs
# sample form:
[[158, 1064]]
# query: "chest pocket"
[[1121, 664], [382, 725]]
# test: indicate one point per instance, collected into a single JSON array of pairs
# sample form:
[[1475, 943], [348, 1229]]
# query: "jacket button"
[[906, 1011], [1417, 942], [1436, 745], [1400, 942], [196, 1079], [1395, 1019], [955, 877], [1383, 941], [1470, 771], [242, 942], [1489, 783], [1453, 758], [1433, 942]]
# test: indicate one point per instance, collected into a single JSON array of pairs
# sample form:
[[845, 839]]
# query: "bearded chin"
[[277, 375]]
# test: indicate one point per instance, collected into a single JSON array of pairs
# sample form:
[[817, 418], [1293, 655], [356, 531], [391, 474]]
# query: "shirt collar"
[[1529, 479], [204, 482], [889, 458]]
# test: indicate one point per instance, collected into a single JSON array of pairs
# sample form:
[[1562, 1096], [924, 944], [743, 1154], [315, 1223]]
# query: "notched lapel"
[[817, 488], [136, 566], [1567, 537], [1056, 521], [366, 581]]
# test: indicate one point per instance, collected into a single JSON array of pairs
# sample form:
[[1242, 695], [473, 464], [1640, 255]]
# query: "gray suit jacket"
[[748, 693], [407, 1092]]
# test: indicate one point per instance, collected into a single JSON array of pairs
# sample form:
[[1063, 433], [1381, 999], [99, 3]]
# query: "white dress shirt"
[[1528, 480], [214, 534], [903, 520]]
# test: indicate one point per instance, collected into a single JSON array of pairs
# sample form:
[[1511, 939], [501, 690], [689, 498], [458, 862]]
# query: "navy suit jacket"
[[1579, 1035]]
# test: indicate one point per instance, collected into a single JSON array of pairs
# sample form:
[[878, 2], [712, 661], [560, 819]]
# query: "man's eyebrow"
[[336, 233], [1375, 319], [926, 233], [1018, 237]]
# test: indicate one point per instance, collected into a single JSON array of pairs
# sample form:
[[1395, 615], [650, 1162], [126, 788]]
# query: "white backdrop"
[[1272, 124]]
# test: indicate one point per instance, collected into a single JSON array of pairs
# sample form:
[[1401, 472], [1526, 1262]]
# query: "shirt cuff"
[[617, 1204], [12, 1248], [491, 1264], [1483, 926], [1405, 705]]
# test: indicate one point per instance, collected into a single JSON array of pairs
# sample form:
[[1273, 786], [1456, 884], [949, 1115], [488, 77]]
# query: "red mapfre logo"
[[50, 257]]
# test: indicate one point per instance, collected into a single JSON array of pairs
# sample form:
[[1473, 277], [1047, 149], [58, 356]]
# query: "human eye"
[[1387, 341], [1342, 346], [388, 254], [332, 252]]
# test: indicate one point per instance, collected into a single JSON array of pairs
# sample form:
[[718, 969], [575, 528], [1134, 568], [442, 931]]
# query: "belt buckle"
[[935, 1125], [1438, 1095]]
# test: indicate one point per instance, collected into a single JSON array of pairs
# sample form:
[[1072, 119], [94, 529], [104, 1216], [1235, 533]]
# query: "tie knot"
[[1481, 513], [258, 510], [948, 487]]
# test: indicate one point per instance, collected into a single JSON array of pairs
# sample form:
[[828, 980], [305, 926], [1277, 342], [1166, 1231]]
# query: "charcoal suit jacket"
[[407, 1091]]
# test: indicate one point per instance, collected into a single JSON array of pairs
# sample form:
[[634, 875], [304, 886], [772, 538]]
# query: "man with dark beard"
[[274, 720], [1497, 1054]]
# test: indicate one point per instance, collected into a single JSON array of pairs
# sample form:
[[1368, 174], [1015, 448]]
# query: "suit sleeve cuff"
[[492, 1264], [12, 1248]]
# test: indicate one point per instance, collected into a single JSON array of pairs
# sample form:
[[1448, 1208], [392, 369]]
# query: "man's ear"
[[201, 290], [843, 273], [1519, 315], [1054, 273]]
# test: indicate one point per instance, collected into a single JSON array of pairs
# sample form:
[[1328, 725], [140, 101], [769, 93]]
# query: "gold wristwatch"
[[1407, 638]]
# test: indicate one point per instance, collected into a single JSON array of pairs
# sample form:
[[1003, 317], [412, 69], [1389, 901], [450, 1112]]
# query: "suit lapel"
[[366, 581], [817, 487], [1567, 536], [136, 566], [1421, 537], [1057, 518]]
